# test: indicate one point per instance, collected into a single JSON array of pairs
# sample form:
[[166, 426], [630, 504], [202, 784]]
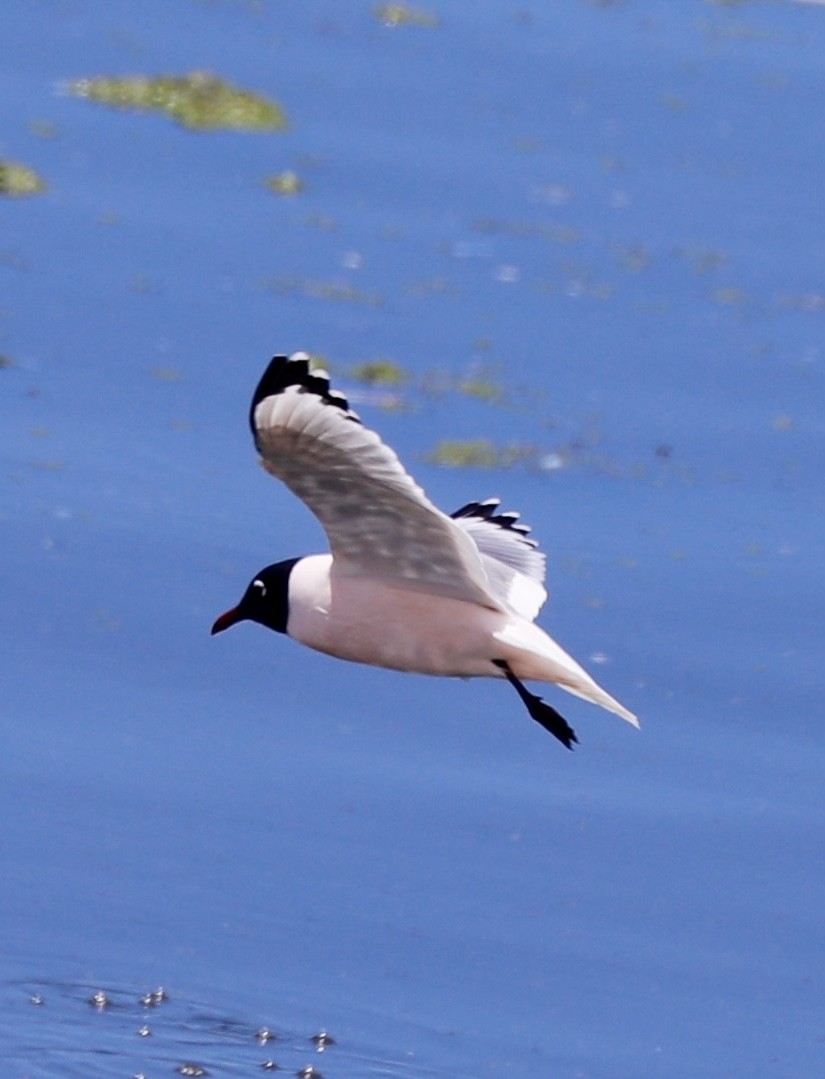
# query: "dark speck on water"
[[182, 1028], [322, 1039], [155, 998]]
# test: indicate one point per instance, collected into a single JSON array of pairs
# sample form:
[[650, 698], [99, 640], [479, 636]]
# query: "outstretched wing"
[[379, 522], [513, 563]]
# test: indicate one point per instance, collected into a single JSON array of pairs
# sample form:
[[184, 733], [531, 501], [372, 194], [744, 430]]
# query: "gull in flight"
[[404, 586]]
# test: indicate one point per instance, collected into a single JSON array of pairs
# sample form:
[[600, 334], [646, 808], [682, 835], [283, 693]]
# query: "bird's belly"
[[367, 622]]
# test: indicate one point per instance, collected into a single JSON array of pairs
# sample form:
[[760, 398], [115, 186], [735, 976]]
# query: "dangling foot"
[[541, 712]]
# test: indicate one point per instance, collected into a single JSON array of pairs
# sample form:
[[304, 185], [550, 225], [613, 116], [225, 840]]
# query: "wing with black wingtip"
[[379, 522], [513, 563]]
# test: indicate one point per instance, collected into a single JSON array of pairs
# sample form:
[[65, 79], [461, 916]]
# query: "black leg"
[[541, 712]]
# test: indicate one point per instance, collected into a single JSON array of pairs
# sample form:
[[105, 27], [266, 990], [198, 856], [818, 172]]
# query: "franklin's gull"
[[405, 586]]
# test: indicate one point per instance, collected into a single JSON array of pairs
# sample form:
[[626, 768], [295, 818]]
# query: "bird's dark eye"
[[260, 588]]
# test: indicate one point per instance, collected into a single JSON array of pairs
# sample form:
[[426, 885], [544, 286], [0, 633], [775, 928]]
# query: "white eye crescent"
[[260, 586]]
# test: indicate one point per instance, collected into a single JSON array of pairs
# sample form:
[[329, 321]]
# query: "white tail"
[[536, 656]]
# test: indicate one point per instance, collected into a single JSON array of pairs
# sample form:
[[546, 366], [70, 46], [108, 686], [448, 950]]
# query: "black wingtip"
[[483, 510], [486, 511], [273, 380], [294, 370]]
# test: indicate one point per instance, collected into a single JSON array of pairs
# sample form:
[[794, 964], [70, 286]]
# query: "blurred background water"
[[591, 236]]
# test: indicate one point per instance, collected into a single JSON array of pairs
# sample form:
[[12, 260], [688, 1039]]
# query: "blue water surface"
[[613, 213]]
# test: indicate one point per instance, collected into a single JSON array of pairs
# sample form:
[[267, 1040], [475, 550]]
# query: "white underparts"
[[366, 621]]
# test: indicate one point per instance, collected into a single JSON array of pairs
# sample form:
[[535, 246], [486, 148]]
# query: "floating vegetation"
[[325, 290], [730, 295], [44, 129], [527, 144], [285, 183], [167, 374], [319, 362], [322, 222], [18, 181], [557, 234], [478, 453], [482, 383], [382, 372], [481, 453], [200, 100], [675, 102], [807, 301], [739, 31], [702, 260], [12, 260], [393, 15], [431, 286], [633, 257], [49, 466], [483, 389]]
